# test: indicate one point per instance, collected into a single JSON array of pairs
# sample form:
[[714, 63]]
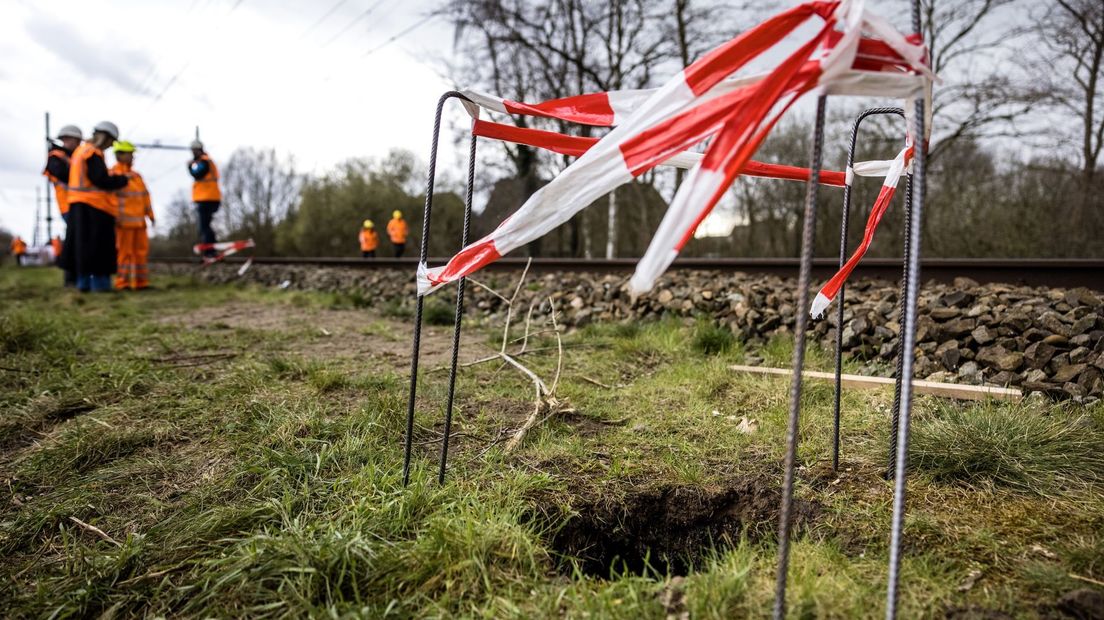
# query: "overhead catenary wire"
[[319, 21], [400, 35], [352, 23], [172, 80]]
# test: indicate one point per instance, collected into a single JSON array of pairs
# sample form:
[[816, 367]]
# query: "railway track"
[[1060, 272]]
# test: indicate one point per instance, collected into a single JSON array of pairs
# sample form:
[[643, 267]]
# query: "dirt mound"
[[670, 529]]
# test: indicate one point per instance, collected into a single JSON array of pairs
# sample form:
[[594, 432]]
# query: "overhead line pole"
[[49, 206]]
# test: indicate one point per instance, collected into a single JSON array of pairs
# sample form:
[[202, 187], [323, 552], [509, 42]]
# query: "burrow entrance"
[[670, 529]]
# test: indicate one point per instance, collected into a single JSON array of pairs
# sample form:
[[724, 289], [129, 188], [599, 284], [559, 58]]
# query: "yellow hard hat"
[[122, 146], [369, 224], [396, 214]]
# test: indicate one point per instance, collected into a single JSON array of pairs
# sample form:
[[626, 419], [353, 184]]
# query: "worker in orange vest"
[[398, 230], [205, 192], [18, 249], [90, 250], [131, 240], [57, 171], [55, 246], [369, 240]]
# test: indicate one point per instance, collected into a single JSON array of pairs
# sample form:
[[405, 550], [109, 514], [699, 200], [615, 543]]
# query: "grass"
[[268, 484], [1012, 447], [711, 338]]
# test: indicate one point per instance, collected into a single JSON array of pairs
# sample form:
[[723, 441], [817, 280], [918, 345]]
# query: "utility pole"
[[49, 206], [611, 225], [38, 215]]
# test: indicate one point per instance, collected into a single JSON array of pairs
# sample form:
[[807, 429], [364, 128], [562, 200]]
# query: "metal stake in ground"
[[908, 338], [801, 323], [843, 259], [458, 318], [423, 256], [895, 417]]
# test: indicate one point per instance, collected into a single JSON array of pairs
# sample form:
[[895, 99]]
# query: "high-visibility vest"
[[61, 186], [80, 186], [207, 188], [134, 199], [397, 230], [55, 245], [18, 246], [369, 240]]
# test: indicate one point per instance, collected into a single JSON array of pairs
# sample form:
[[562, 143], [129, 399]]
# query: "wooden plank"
[[946, 390]]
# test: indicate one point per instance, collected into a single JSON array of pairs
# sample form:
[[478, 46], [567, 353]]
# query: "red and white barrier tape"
[[222, 249], [831, 288], [689, 108], [577, 145]]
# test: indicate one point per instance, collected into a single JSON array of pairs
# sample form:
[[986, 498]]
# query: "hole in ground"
[[670, 529]]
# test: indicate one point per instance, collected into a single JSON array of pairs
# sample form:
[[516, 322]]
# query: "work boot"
[[102, 284], [84, 283]]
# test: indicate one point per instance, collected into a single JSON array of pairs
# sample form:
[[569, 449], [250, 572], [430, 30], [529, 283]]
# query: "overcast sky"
[[321, 80]]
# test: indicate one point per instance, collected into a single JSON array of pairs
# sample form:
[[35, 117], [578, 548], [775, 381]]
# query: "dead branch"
[[528, 319], [544, 401], [197, 360], [596, 382], [510, 305], [95, 530], [542, 388], [487, 288], [1095, 582], [559, 347]]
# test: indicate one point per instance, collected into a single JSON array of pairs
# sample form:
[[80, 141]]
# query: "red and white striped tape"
[[700, 101], [577, 145], [831, 288], [222, 249]]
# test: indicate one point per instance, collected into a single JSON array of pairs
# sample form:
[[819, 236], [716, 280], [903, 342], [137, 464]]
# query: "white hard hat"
[[107, 127], [196, 144], [70, 131]]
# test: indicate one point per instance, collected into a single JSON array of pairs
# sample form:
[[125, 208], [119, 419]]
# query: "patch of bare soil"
[[323, 333], [671, 528]]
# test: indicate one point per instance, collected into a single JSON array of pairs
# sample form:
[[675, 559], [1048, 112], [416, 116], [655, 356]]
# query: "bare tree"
[[259, 188], [973, 43], [1073, 31], [543, 50]]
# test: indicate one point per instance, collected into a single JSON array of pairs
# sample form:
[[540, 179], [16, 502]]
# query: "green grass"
[[269, 483], [711, 338], [1012, 447]]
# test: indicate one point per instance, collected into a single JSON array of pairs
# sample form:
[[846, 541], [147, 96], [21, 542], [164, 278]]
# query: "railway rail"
[[1059, 272]]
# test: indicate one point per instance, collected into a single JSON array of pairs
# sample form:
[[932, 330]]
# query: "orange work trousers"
[[133, 251]]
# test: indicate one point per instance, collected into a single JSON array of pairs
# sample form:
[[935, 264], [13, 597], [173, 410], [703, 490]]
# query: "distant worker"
[[55, 247], [398, 230], [131, 239], [90, 244], [18, 249], [369, 240], [205, 192], [57, 171]]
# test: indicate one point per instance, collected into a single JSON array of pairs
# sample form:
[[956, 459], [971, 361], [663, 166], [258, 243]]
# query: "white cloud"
[[255, 75]]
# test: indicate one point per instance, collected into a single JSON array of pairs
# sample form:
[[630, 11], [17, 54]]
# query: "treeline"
[[1014, 157], [287, 214], [976, 206]]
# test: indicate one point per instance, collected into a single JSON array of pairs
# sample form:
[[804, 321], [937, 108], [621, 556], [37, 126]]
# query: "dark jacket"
[[59, 167], [101, 178]]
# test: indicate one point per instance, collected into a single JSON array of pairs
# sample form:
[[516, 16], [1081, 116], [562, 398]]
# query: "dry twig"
[[95, 530], [1095, 582]]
